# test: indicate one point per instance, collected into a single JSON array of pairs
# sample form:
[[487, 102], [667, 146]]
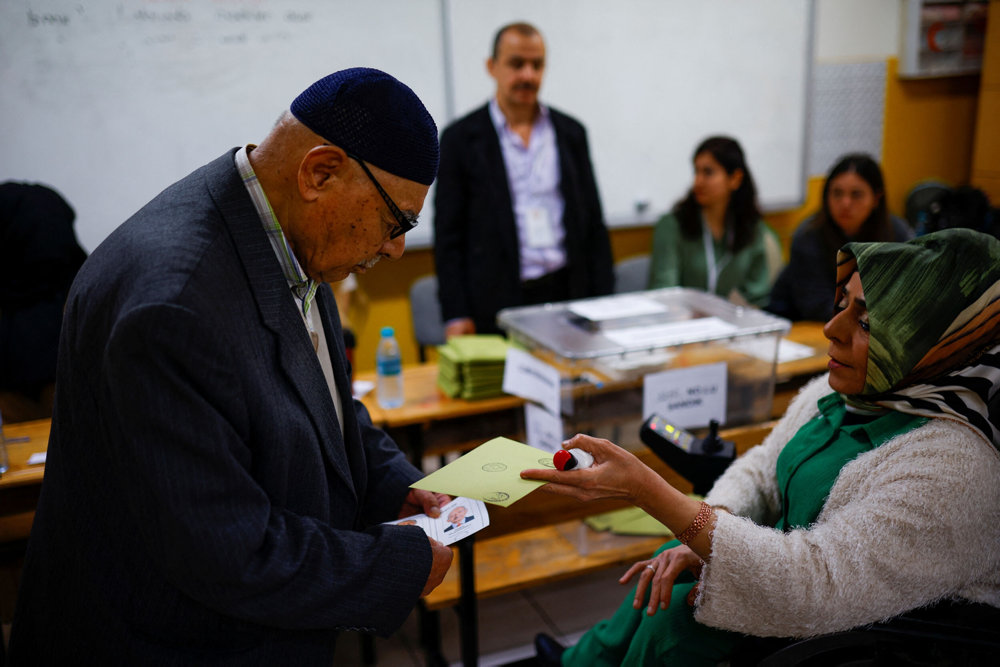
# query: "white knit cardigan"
[[907, 524]]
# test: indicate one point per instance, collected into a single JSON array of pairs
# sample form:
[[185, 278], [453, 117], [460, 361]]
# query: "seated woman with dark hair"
[[714, 238], [854, 209], [870, 500]]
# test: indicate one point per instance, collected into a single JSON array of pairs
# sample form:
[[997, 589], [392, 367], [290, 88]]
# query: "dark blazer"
[[476, 248], [201, 504], [464, 521]]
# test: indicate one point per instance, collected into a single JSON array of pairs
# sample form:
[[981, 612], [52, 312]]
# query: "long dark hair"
[[742, 213], [877, 227]]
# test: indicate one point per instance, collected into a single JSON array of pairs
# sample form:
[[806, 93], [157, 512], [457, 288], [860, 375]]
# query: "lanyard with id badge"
[[538, 228], [712, 269]]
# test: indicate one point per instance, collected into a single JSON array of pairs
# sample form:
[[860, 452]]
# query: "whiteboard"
[[111, 101]]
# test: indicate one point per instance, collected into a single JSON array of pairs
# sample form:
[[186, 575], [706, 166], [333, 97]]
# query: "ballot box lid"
[[636, 322]]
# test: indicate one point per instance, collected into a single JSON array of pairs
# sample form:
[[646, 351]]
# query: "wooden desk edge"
[[629, 549], [19, 472]]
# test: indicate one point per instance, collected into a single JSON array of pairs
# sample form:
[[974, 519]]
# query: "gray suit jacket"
[[201, 504]]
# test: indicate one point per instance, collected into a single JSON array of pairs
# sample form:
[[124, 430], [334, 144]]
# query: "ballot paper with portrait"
[[459, 519]]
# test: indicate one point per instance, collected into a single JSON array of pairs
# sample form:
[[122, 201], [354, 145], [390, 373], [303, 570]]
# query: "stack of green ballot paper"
[[471, 367]]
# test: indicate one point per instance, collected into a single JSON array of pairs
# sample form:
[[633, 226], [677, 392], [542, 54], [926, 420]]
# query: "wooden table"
[[429, 422], [21, 484], [19, 490]]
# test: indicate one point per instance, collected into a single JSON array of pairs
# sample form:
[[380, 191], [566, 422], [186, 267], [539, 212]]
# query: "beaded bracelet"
[[700, 521]]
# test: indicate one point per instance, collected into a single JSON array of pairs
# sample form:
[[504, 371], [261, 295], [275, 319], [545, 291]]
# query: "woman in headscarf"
[[874, 499]]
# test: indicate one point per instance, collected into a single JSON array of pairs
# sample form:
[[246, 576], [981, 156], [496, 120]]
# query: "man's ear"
[[320, 169]]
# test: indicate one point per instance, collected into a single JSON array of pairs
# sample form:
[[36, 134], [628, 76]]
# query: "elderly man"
[[517, 217], [213, 495]]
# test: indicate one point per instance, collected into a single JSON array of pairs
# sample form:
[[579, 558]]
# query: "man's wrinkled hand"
[[419, 501]]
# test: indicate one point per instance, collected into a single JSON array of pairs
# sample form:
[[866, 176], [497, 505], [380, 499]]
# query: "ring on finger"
[[650, 567]]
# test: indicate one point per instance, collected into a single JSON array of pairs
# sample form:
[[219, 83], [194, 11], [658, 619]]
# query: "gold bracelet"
[[700, 521]]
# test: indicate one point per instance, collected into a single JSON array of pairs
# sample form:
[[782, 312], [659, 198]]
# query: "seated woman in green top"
[[862, 504], [714, 239]]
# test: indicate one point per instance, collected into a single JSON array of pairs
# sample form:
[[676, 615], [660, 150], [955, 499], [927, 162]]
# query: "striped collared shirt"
[[302, 287], [533, 176]]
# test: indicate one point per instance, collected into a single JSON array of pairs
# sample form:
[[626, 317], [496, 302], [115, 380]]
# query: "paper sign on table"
[[459, 518], [531, 378], [543, 429], [688, 397], [491, 472]]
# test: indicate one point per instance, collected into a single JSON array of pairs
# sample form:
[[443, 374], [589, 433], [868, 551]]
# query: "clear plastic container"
[[604, 347]]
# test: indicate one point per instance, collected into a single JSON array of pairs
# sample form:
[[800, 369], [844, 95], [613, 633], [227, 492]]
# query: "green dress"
[[806, 470], [679, 261]]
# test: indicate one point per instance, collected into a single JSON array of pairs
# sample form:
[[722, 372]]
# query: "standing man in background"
[[517, 216], [213, 494]]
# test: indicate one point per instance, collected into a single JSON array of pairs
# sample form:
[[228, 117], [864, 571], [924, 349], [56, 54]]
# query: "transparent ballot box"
[[613, 353]]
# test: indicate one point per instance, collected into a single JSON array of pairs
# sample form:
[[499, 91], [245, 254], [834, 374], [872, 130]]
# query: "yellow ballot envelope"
[[491, 472]]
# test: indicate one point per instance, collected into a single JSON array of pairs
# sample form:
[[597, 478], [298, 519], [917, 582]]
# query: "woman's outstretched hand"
[[616, 473], [658, 575]]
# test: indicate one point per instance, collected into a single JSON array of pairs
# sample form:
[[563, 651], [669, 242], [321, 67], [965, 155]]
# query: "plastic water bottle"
[[389, 370]]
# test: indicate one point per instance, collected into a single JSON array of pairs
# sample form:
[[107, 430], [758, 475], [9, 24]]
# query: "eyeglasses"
[[404, 221]]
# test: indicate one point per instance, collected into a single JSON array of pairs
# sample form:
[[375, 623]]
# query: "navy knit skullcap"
[[375, 117]]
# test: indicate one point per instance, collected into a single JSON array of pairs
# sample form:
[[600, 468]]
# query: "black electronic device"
[[698, 460]]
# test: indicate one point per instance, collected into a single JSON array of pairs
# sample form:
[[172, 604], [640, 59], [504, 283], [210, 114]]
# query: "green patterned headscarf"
[[934, 316]]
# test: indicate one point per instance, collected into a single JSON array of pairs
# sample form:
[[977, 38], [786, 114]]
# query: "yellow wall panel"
[[986, 154], [929, 131]]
